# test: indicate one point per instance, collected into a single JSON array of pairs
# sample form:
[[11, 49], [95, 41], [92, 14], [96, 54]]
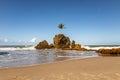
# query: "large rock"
[[42, 45], [61, 41], [108, 52], [73, 44], [51, 45], [77, 47]]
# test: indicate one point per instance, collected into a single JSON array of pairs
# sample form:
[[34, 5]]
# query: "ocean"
[[20, 55], [97, 47]]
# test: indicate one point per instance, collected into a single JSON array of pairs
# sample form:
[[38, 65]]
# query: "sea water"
[[15, 56], [97, 47]]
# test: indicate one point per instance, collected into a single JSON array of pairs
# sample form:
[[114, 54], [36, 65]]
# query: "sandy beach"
[[102, 68]]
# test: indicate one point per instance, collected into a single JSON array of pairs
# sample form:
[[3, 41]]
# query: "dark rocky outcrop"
[[51, 46], [107, 52], [77, 47], [42, 45], [61, 41], [73, 44]]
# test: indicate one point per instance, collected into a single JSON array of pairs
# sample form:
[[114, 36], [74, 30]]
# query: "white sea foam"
[[100, 47], [16, 48], [32, 48]]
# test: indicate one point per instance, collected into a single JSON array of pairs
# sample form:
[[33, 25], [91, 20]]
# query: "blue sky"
[[87, 21]]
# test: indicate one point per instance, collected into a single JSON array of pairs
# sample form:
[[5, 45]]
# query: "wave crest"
[[16, 48], [100, 47]]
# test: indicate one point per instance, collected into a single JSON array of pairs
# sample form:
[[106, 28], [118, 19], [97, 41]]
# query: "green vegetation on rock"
[[61, 26]]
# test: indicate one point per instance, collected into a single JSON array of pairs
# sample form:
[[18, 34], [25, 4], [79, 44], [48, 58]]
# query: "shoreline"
[[100, 68], [47, 63]]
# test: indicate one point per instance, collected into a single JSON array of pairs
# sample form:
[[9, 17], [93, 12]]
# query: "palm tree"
[[61, 26]]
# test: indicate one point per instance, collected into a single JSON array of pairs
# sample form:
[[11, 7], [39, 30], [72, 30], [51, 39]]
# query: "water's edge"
[[17, 58]]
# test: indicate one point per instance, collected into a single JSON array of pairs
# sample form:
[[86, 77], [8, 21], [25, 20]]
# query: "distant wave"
[[16, 48], [101, 47], [89, 47]]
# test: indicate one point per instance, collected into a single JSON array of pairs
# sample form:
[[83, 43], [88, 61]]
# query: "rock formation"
[[107, 52], [77, 47], [73, 44], [42, 45], [51, 45], [61, 41]]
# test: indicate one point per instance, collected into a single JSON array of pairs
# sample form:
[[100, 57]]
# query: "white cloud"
[[9, 41], [33, 40], [5, 40], [21, 41]]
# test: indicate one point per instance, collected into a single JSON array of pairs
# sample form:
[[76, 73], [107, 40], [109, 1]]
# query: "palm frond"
[[61, 26]]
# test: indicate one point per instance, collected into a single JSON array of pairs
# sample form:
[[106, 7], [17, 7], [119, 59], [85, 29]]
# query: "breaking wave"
[[15, 57], [97, 47], [16, 48]]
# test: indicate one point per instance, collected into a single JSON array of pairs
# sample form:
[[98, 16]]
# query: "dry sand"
[[102, 68]]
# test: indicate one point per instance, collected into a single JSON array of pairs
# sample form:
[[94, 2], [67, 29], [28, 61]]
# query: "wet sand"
[[102, 68]]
